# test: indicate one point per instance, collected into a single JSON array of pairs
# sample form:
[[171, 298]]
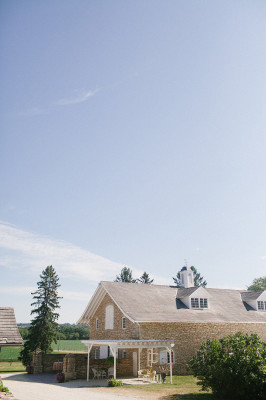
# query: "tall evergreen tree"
[[145, 278], [198, 279], [125, 276], [42, 331]]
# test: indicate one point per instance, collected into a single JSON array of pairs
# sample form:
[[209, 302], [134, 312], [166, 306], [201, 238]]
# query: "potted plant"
[[29, 369], [60, 377]]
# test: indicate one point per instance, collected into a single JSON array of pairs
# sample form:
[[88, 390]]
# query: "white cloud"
[[78, 99], [33, 251], [18, 290]]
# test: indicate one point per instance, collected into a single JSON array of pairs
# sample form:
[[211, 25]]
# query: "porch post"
[[113, 351], [88, 364], [139, 356], [169, 349]]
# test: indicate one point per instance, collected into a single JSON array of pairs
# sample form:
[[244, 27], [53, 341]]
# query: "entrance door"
[[135, 363]]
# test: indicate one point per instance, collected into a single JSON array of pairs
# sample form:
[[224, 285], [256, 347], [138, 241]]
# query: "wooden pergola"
[[114, 345]]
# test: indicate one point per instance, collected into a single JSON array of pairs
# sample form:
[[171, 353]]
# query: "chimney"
[[186, 277]]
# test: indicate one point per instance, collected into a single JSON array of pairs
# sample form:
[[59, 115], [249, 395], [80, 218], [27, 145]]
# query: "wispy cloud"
[[28, 250], [27, 290], [80, 98]]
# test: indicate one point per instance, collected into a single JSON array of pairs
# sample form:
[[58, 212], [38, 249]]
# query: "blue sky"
[[132, 133]]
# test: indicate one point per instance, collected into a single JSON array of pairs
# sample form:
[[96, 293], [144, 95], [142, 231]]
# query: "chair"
[[97, 374], [152, 376], [110, 371], [142, 373], [103, 374]]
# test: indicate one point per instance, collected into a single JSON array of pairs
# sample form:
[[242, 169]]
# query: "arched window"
[[109, 317]]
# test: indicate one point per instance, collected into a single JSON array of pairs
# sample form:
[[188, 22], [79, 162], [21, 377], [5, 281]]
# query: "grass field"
[[9, 353], [69, 345], [12, 366]]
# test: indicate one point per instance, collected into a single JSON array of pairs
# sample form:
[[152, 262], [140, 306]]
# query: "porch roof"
[[130, 343]]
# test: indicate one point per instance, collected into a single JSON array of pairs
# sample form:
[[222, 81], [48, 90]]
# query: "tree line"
[[64, 332], [126, 275]]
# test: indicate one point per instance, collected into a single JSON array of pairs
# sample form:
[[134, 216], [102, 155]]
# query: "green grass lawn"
[[183, 388], [8, 353], [69, 345], [13, 366]]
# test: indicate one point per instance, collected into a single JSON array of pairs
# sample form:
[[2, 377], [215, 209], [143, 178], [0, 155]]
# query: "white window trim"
[[165, 357], [198, 303], [96, 353], [96, 324], [261, 305], [109, 317]]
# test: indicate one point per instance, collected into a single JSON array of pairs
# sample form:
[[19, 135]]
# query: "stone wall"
[[189, 336], [75, 365], [44, 362], [130, 332]]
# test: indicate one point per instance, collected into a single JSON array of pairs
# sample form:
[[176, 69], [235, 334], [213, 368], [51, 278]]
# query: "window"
[[165, 357], [96, 324], [199, 303], [123, 323], [124, 354], [109, 317], [262, 305], [96, 353]]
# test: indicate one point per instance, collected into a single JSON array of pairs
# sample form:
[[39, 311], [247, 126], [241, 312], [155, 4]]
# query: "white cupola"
[[186, 277]]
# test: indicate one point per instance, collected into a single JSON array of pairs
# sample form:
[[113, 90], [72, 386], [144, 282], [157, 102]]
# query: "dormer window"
[[199, 302], [262, 305]]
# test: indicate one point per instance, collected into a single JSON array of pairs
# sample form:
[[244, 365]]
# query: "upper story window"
[[199, 302], [262, 305], [96, 324], [109, 317], [123, 323]]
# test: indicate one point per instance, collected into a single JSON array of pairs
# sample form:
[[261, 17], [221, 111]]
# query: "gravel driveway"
[[44, 387]]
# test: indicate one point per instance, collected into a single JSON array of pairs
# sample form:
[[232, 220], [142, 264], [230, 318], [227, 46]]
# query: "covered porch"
[[137, 344]]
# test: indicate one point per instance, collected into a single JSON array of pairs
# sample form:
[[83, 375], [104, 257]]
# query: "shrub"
[[113, 382], [234, 367], [3, 388]]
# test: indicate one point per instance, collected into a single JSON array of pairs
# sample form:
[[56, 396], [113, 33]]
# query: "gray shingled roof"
[[9, 333], [251, 295], [185, 292], [158, 303]]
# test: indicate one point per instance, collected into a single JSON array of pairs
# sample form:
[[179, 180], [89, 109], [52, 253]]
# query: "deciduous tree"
[[234, 367], [258, 284]]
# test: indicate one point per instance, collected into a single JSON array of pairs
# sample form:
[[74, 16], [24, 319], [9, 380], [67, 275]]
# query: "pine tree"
[[145, 278], [42, 331], [198, 279], [125, 276]]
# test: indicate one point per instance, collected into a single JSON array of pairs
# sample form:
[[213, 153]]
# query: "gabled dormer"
[[195, 298], [255, 299]]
